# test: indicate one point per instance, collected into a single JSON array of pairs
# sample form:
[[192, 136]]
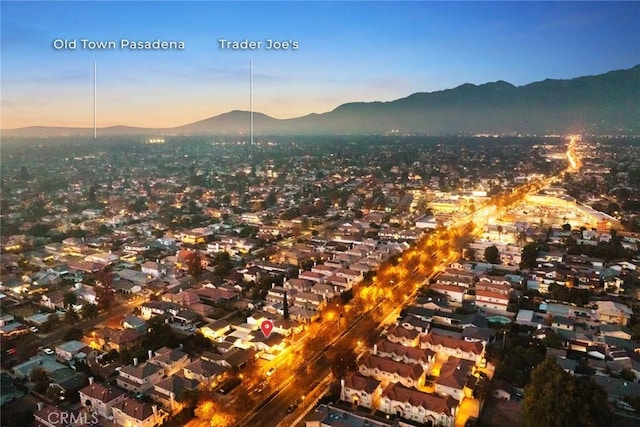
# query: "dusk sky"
[[348, 51]]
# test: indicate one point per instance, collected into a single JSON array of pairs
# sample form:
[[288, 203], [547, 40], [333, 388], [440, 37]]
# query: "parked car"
[[49, 351]]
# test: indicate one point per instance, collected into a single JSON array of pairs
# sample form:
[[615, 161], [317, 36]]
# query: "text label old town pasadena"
[[122, 44]]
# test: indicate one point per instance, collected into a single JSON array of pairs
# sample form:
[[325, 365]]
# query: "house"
[[417, 406], [455, 278], [617, 331], [360, 390], [53, 300], [412, 322], [170, 360], [100, 399], [453, 378], [154, 269], [139, 378], [204, 371], [454, 292], [159, 308], [136, 277], [216, 330], [135, 413], [8, 390], [232, 358], [48, 363], [186, 317], [52, 416], [268, 347], [209, 294], [613, 312], [135, 323], [400, 353], [455, 347], [491, 301], [194, 236], [333, 416], [69, 350], [383, 369], [117, 339], [300, 285], [564, 323], [313, 277], [326, 291], [406, 337], [169, 391], [617, 388]]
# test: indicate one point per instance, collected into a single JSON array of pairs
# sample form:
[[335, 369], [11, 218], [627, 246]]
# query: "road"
[[379, 304]]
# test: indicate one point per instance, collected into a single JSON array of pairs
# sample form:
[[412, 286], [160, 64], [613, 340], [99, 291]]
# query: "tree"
[[215, 413], [51, 323], [492, 255], [529, 256], [555, 398], [500, 230], [194, 264], [71, 317], [285, 314], [74, 334], [89, 311], [38, 375], [342, 359], [104, 292], [70, 299]]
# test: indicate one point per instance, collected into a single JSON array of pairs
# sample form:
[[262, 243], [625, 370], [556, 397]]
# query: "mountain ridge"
[[603, 103]]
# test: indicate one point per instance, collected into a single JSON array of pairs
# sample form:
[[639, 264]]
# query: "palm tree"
[[89, 311], [71, 316], [70, 299]]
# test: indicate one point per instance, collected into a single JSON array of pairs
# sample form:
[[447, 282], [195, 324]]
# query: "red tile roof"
[[102, 393], [403, 370], [432, 402], [452, 343], [355, 381]]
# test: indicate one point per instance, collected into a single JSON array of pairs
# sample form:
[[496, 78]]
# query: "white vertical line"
[[94, 100], [251, 100]]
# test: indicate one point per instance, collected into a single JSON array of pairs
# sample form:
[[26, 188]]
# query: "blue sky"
[[348, 51]]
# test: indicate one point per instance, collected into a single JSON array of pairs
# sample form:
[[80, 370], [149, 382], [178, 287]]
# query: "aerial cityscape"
[[209, 221]]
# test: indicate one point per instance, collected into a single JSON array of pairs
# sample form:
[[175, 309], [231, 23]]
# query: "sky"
[[347, 51]]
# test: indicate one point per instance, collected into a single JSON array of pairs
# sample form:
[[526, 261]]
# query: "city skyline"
[[347, 52]]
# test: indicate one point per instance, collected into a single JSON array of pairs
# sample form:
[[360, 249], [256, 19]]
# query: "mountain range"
[[603, 104]]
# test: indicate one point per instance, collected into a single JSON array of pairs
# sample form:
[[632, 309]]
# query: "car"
[[34, 329], [292, 408], [49, 351], [271, 372]]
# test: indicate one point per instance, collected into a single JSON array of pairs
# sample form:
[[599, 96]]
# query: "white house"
[[134, 413], [417, 406], [100, 399], [360, 390]]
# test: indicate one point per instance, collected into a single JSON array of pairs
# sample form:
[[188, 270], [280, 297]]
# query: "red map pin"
[[266, 326]]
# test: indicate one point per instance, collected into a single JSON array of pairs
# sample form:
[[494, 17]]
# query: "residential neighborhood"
[[420, 294]]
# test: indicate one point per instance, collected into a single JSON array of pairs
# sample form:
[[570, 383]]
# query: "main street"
[[375, 306]]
